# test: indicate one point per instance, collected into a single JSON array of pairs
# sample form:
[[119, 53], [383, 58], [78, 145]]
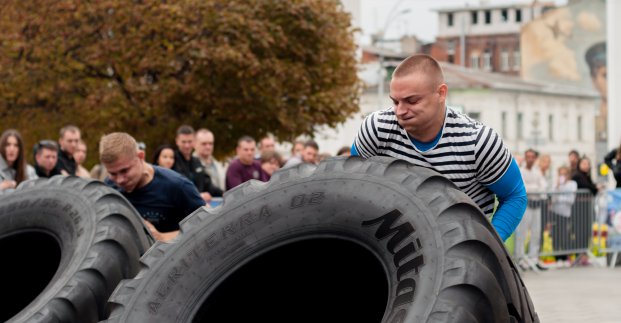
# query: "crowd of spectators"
[[189, 166], [153, 186]]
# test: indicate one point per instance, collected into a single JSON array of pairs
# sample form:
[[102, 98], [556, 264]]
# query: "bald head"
[[420, 64]]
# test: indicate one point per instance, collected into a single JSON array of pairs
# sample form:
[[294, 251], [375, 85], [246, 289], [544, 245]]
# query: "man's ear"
[[140, 155], [443, 91]]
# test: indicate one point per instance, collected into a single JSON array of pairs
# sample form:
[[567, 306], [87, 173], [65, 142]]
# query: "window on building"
[[551, 127], [450, 51], [579, 128], [516, 60], [504, 15], [488, 17], [503, 124], [518, 15], [474, 61], [520, 123], [487, 60], [449, 18], [504, 60], [474, 17]]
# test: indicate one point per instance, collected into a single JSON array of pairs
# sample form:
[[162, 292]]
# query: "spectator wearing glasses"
[[162, 196], [13, 167], [46, 157]]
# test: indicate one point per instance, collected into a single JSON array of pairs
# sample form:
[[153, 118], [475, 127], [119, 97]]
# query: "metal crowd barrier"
[[567, 217], [577, 223]]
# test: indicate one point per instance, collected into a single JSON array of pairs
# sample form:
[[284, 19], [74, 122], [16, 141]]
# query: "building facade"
[[485, 37]]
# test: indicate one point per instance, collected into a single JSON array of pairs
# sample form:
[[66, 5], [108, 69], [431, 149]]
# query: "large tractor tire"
[[65, 243], [351, 240]]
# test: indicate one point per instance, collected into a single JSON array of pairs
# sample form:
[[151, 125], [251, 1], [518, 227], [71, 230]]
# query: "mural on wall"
[[568, 46]]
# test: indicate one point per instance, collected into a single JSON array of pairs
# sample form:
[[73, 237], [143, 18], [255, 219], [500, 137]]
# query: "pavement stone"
[[579, 294]]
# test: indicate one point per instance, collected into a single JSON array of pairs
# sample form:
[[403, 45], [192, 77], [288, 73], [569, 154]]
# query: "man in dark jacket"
[[69, 140], [46, 158], [190, 166]]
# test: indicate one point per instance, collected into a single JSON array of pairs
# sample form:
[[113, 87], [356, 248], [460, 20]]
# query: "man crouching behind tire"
[[161, 196]]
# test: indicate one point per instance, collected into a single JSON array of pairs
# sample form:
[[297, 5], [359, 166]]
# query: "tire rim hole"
[[314, 280], [29, 261]]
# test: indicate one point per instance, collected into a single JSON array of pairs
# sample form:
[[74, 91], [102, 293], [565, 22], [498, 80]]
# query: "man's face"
[[80, 153], [127, 171], [573, 159], [204, 144], [267, 144], [245, 152], [530, 158], [46, 158], [309, 155], [297, 149], [417, 102], [185, 144], [69, 141]]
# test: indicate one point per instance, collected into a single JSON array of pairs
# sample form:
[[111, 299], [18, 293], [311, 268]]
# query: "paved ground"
[[583, 294]]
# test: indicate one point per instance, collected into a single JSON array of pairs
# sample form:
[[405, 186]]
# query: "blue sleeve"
[[354, 151], [512, 201]]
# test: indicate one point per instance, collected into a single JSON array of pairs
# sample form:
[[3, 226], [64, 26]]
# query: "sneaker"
[[540, 267]]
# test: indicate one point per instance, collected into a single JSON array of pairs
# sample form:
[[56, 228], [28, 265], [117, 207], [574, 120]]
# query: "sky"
[[420, 20]]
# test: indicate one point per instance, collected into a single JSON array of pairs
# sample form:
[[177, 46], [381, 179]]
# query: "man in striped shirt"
[[421, 129]]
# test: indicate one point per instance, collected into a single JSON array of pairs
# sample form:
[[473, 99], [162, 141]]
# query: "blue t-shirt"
[[164, 201]]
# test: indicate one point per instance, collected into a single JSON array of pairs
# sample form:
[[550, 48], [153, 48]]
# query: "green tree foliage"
[[237, 67]]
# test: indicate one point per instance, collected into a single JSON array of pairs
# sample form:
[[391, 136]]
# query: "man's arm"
[[512, 201], [366, 140], [160, 236], [353, 151]]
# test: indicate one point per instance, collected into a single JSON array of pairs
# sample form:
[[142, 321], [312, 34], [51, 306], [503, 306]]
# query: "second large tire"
[[350, 241], [65, 243]]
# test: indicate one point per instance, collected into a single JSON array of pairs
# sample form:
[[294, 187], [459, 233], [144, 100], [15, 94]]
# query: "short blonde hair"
[[117, 144]]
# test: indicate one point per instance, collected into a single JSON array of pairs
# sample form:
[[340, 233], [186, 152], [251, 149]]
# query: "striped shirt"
[[468, 153]]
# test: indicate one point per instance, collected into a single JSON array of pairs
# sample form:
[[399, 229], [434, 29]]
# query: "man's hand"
[[206, 197], [160, 236], [8, 184]]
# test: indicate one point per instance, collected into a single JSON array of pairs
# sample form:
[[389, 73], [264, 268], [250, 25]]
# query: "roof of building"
[[458, 77], [488, 5]]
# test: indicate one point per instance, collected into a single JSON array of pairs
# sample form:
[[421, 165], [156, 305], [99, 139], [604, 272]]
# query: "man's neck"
[[207, 160], [147, 175]]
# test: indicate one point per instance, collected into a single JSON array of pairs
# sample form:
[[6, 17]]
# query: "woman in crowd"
[[582, 177], [271, 161], [13, 167], [613, 161], [80, 156], [164, 156], [562, 202], [582, 212]]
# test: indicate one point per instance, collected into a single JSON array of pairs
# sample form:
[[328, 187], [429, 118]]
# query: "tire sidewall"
[[63, 215], [347, 206]]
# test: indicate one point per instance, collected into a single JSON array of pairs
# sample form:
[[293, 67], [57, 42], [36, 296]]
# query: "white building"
[[552, 119]]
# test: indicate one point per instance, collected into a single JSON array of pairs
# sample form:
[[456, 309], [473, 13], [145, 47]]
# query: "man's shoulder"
[[167, 176], [456, 117], [387, 113]]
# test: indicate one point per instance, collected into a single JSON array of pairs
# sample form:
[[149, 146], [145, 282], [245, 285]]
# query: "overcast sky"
[[420, 20]]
